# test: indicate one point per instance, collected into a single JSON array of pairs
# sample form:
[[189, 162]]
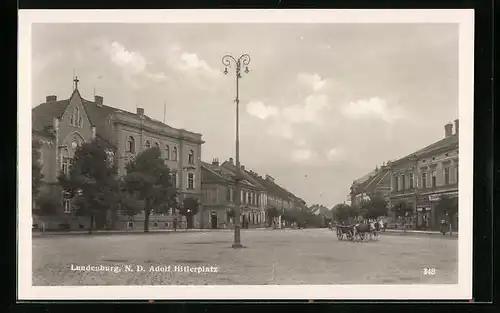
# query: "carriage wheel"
[[362, 236], [339, 235]]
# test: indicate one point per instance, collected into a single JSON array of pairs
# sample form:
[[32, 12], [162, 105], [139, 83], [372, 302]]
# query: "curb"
[[414, 233]]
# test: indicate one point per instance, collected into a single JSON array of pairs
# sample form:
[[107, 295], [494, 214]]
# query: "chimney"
[[51, 98], [231, 161], [448, 130], [140, 111], [98, 100], [456, 127], [215, 162]]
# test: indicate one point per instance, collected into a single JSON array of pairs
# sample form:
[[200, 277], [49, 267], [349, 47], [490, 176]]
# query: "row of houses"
[[257, 194], [61, 126], [420, 179]]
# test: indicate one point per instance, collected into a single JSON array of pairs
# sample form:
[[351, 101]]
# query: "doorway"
[[213, 220]]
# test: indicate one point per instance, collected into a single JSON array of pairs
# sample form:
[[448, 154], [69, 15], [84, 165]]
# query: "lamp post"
[[243, 60]]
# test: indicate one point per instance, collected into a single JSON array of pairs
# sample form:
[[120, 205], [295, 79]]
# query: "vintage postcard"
[[261, 154]]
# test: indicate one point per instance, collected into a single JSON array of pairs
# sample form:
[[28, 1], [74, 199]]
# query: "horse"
[[362, 230]]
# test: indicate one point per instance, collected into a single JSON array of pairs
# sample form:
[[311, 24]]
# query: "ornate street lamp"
[[242, 61]]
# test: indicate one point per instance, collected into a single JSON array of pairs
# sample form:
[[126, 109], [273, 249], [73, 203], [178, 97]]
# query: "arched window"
[[76, 117], [147, 144], [167, 153], [191, 157], [131, 144], [65, 162], [174, 154]]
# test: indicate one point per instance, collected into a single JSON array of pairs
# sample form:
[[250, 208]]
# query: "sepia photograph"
[[270, 154]]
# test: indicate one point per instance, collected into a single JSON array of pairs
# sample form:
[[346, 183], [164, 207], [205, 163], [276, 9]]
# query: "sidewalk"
[[417, 232]]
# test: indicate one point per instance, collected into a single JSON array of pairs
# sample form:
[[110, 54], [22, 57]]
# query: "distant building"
[[219, 188], [62, 125], [423, 177], [375, 183]]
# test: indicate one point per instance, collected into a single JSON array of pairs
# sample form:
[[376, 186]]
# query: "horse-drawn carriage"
[[358, 232]]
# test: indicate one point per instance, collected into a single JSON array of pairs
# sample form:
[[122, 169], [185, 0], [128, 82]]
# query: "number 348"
[[429, 271]]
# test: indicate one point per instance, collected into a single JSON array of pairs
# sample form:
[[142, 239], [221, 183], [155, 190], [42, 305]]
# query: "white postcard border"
[[462, 290]]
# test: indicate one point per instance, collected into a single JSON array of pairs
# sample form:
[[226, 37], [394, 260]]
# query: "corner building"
[[65, 124], [423, 177]]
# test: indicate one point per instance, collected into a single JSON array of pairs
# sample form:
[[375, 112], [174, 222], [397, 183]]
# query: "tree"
[[92, 180], [342, 212], [36, 169], [401, 208], [148, 179], [273, 212], [374, 207], [189, 208], [48, 203]]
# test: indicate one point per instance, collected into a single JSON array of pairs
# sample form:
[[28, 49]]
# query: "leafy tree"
[[48, 203], [273, 212], [36, 168], [148, 179], [189, 208], [374, 207], [342, 212], [401, 208], [92, 181]]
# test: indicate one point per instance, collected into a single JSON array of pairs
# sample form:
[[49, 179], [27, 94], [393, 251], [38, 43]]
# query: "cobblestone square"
[[284, 257]]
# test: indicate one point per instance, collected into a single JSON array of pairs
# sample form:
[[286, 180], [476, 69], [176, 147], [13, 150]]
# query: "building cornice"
[[154, 127]]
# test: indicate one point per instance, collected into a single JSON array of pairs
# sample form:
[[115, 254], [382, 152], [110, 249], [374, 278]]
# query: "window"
[[446, 172], [147, 144], [249, 198], [131, 144], [403, 182], [456, 172], [80, 121], [174, 154], [433, 179], [167, 153], [424, 180], [65, 162], [228, 194], [395, 183], [190, 181], [410, 180], [173, 178], [72, 119], [191, 157], [157, 145], [66, 202]]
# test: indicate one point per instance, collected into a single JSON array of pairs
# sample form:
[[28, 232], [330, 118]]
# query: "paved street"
[[311, 256]]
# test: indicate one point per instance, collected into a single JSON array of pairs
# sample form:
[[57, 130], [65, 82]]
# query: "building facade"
[[65, 124], [423, 177], [219, 187], [375, 183], [253, 197]]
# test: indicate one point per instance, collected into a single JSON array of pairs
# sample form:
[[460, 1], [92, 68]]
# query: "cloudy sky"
[[323, 104]]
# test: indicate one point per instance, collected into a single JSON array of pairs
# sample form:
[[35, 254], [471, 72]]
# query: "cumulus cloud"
[[314, 81], [260, 110], [301, 155], [133, 65], [335, 154], [189, 63], [311, 111], [133, 61], [372, 108]]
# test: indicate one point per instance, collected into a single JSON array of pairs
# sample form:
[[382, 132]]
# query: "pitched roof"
[[443, 143], [246, 174], [44, 113], [371, 181], [226, 174]]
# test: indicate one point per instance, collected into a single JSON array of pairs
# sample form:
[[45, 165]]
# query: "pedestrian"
[[443, 226], [175, 224]]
